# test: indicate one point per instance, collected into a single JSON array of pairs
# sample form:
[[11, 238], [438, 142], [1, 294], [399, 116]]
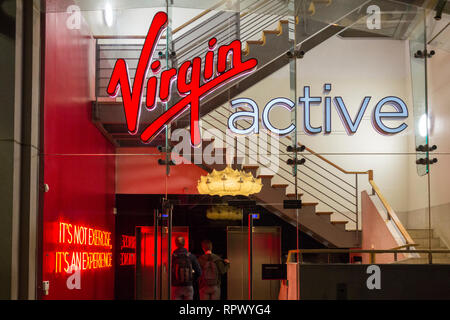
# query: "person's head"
[[206, 245], [179, 242]]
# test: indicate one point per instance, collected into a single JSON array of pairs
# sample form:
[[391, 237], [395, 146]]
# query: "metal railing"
[[292, 254], [332, 189], [315, 169]]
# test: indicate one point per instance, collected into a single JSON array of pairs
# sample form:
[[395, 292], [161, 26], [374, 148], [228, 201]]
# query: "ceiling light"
[[224, 212], [423, 125], [229, 182], [108, 15]]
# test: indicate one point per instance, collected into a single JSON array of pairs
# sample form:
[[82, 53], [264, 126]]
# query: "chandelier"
[[229, 182], [224, 212]]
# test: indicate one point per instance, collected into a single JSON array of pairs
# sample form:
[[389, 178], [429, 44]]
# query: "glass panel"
[[438, 96], [357, 54], [349, 164], [419, 89]]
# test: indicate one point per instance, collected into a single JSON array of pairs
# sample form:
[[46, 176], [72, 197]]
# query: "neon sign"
[[128, 258], [86, 248], [191, 91]]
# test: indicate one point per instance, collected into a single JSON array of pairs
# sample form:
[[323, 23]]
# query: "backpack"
[[181, 270], [210, 273]]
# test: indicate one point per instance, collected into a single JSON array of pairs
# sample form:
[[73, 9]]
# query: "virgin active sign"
[[307, 102], [194, 83]]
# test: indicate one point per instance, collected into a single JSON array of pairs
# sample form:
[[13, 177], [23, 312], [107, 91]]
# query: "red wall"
[[80, 177], [138, 172]]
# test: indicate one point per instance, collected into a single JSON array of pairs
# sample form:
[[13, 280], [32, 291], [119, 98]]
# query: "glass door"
[[152, 249]]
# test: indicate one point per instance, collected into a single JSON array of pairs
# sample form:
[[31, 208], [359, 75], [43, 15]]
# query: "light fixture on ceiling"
[[224, 212], [229, 182], [423, 125], [108, 15], [439, 8]]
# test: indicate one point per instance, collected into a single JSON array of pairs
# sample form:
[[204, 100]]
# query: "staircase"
[[420, 237], [320, 225]]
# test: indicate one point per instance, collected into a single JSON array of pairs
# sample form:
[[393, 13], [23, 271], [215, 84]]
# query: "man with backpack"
[[213, 267], [184, 267]]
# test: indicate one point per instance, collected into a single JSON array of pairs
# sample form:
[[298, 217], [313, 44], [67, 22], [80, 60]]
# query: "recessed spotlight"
[[108, 15], [423, 125]]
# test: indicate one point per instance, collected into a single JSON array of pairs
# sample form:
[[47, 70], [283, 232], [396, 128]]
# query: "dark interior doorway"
[[190, 210]]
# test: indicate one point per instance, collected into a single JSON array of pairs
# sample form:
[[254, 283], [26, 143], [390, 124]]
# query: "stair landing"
[[421, 237]]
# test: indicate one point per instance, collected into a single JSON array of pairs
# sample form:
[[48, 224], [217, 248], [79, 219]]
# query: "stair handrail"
[[330, 162], [326, 202], [405, 246], [372, 252], [391, 213]]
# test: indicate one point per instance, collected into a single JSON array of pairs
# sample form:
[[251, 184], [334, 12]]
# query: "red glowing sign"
[[86, 248], [191, 91], [128, 242], [128, 258]]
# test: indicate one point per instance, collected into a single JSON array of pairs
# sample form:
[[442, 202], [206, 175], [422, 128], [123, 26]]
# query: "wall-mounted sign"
[[85, 247], [128, 251], [351, 125]]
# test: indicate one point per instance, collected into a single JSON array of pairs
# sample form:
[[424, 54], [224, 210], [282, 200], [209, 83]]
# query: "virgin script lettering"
[[191, 91]]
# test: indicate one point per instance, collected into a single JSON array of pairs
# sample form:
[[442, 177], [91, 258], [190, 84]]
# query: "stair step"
[[423, 242], [249, 166], [265, 176], [280, 186], [324, 213], [260, 42], [326, 216], [272, 31], [292, 195], [339, 222], [419, 233], [309, 204]]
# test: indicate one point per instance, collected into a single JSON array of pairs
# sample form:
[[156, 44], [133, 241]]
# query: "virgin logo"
[[188, 80]]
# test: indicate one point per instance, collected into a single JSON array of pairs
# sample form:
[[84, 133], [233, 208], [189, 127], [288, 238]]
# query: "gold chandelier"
[[229, 182], [224, 212]]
